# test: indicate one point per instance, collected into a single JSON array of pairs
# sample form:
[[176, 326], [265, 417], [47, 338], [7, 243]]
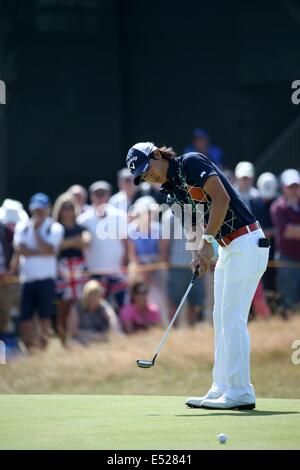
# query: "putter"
[[145, 364]]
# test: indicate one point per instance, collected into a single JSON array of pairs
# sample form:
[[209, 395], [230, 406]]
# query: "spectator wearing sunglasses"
[[80, 194], [107, 252], [93, 317], [37, 243], [139, 314], [71, 261], [123, 199]]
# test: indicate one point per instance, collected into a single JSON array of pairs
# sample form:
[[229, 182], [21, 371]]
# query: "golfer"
[[243, 256]]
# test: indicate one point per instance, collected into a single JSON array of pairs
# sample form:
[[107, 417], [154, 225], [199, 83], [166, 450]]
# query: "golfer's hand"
[[203, 258]]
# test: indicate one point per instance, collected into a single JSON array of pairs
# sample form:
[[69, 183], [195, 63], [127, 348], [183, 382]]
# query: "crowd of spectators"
[[60, 275]]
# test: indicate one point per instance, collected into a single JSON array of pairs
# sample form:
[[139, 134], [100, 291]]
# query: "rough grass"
[[183, 368]]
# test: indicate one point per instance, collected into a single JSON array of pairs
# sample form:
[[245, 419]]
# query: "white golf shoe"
[[196, 402], [226, 403]]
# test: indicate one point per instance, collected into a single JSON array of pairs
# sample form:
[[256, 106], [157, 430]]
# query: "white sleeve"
[[82, 221], [55, 235], [19, 235]]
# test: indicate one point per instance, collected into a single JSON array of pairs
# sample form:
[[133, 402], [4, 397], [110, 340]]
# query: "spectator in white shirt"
[[80, 195], [244, 176], [175, 253], [107, 251], [127, 191], [37, 243]]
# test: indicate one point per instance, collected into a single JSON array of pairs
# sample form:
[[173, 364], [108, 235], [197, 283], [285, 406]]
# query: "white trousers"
[[238, 270]]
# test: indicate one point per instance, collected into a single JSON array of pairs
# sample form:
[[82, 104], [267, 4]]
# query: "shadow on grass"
[[254, 413]]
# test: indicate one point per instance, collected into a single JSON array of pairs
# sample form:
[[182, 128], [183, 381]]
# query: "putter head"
[[144, 364]]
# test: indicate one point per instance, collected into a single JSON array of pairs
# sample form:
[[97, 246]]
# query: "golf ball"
[[222, 438]]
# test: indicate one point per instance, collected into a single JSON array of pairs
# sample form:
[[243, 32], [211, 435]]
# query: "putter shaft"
[[146, 364]]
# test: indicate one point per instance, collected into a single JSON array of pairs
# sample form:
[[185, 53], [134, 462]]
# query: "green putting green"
[[142, 422]]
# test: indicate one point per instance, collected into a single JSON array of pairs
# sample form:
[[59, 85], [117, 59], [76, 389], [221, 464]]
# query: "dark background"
[[87, 79]]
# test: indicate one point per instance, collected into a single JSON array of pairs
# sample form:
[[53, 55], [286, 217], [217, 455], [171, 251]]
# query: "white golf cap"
[[12, 212], [244, 169], [289, 177], [100, 186], [138, 158], [267, 185]]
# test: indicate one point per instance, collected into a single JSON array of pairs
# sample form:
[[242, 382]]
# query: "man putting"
[[243, 256]]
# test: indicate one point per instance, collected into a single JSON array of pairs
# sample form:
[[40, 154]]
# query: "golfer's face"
[[152, 175]]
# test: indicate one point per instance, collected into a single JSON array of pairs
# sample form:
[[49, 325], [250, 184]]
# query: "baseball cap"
[[289, 177], [100, 186], [267, 185], [200, 133], [39, 201], [138, 159], [244, 169]]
